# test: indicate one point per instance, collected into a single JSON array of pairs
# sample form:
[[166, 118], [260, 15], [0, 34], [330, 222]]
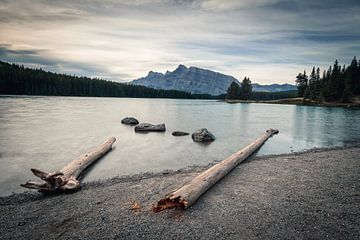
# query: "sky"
[[269, 41]]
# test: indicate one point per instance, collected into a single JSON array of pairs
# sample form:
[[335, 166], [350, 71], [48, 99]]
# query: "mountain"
[[273, 87], [192, 79], [199, 81]]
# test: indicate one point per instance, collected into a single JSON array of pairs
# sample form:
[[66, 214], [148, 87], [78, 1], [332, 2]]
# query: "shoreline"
[[169, 172], [298, 102], [284, 101], [309, 194]]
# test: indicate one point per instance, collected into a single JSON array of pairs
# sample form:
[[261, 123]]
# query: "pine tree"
[[354, 78], [317, 91], [346, 95], [336, 83], [351, 77], [246, 89], [233, 91], [325, 86], [302, 83], [310, 91]]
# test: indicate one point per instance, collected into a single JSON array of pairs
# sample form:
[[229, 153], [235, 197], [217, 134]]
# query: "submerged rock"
[[179, 133], [203, 135], [130, 121], [147, 127]]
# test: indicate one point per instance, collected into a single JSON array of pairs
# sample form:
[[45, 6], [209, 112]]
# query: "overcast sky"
[[268, 40]]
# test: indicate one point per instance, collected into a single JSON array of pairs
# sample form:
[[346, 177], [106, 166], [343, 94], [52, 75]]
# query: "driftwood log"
[[187, 195], [67, 177]]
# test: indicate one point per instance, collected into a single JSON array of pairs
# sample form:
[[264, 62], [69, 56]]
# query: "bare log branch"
[[67, 177], [187, 195]]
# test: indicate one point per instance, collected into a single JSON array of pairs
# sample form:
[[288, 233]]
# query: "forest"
[[337, 84], [18, 80]]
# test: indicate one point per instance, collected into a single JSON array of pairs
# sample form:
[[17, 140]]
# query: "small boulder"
[[130, 121], [179, 133], [147, 127], [203, 135]]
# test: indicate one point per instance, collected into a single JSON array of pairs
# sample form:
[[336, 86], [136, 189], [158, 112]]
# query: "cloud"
[[37, 58], [25, 56], [123, 40], [309, 5], [231, 5]]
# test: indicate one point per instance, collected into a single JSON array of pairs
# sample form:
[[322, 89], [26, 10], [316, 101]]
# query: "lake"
[[48, 132]]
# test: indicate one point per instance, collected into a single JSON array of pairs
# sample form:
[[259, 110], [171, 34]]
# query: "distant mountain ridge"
[[273, 87], [199, 81]]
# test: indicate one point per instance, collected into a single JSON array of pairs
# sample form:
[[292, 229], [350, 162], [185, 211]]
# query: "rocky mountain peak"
[[181, 68], [197, 80]]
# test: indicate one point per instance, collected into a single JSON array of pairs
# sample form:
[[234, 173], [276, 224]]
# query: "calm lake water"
[[47, 132]]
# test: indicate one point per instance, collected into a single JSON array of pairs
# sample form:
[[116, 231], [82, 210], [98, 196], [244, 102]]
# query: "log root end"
[[167, 203], [58, 181], [273, 131], [53, 181]]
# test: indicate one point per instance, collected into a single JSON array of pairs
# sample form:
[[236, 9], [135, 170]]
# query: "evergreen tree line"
[[336, 84], [18, 80], [242, 92]]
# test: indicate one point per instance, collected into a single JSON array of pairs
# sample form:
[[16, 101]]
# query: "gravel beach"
[[309, 195]]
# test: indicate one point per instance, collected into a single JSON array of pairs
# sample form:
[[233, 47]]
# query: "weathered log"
[[187, 195], [67, 177]]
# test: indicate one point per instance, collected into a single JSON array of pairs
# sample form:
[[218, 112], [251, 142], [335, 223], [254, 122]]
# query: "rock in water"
[[147, 127], [179, 133], [203, 135], [130, 121]]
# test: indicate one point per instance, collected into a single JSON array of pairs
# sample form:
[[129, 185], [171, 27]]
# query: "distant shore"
[[313, 194], [288, 101], [298, 101]]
